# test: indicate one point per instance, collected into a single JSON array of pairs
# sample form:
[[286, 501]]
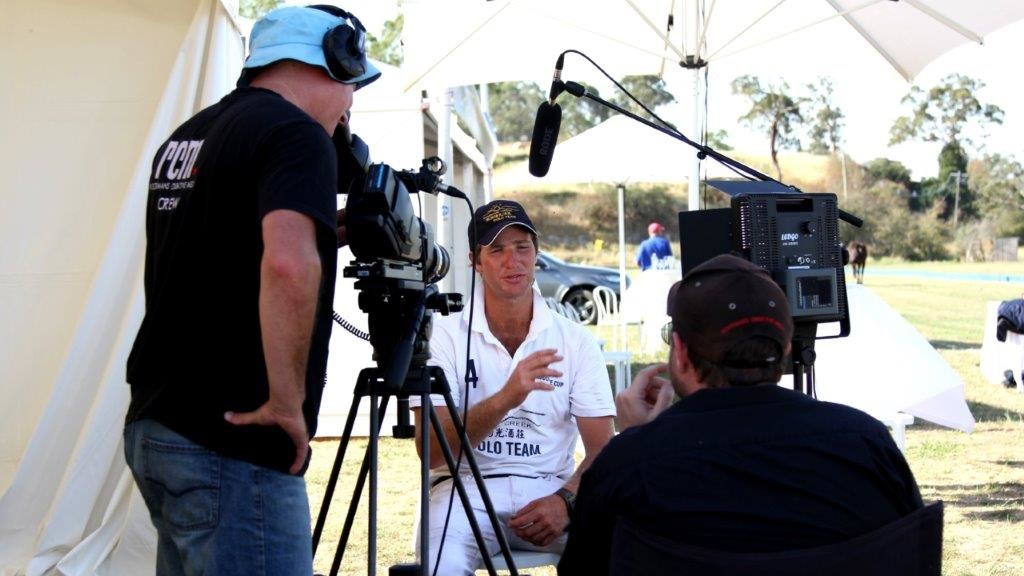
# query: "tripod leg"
[[332, 482], [467, 451], [358, 491], [464, 497]]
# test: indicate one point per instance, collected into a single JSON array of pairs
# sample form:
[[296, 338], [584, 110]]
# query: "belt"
[[440, 479]]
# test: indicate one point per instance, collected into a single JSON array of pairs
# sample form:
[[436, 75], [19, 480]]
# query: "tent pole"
[[443, 232], [694, 37], [694, 180], [619, 327]]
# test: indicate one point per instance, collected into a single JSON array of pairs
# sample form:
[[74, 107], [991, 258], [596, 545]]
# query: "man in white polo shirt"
[[536, 380]]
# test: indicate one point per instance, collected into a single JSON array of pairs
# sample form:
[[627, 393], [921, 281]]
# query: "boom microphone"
[[545, 128], [545, 135]]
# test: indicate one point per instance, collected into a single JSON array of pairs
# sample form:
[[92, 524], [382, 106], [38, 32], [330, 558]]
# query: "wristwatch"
[[568, 496]]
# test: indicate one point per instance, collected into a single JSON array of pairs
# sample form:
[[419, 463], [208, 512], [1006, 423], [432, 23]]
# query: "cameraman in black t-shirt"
[[228, 366]]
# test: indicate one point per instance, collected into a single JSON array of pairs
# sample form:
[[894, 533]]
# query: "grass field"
[[980, 475]]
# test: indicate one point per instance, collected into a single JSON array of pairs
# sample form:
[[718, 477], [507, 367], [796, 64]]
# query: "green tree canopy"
[[773, 110], [581, 114], [648, 89], [827, 120], [388, 47], [891, 170], [254, 9], [998, 184], [717, 140], [943, 113], [513, 107]]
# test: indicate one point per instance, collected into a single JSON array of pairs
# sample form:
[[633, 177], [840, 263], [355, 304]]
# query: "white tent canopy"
[[616, 151]]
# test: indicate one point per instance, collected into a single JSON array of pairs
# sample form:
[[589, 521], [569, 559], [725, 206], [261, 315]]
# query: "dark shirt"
[[199, 350], [654, 246], [753, 469]]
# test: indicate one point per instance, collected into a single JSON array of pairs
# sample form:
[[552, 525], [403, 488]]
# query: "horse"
[[858, 258]]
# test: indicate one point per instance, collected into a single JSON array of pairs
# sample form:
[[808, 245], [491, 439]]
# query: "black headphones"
[[344, 46]]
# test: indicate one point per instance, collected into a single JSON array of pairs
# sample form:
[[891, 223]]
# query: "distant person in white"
[[540, 381]]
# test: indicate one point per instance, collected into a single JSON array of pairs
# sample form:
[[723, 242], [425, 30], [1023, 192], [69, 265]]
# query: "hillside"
[[575, 216]]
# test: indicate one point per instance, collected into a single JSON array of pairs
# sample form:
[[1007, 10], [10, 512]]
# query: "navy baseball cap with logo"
[[326, 37], [492, 218], [725, 301]]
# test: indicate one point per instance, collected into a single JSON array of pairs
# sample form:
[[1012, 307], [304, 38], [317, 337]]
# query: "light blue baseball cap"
[[297, 33]]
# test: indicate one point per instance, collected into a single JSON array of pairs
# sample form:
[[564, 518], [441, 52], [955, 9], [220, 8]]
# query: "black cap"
[[725, 301], [495, 216]]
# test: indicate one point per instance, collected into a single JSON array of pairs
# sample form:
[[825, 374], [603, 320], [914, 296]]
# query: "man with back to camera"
[[228, 367], [537, 373], [738, 463], [654, 249]]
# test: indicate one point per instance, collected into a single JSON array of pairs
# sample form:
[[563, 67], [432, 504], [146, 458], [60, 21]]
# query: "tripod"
[[422, 381]]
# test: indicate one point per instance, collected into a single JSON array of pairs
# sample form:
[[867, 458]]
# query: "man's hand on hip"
[[290, 420]]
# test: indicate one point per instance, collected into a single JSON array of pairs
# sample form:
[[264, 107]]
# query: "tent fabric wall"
[[90, 79], [77, 148]]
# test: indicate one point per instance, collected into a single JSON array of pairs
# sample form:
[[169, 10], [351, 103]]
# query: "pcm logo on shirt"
[[175, 171], [178, 160]]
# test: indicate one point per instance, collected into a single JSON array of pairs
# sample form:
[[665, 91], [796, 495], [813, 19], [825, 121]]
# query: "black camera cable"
[[469, 376]]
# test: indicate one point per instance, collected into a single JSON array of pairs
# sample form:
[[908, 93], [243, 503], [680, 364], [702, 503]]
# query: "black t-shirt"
[[199, 351], [758, 469]]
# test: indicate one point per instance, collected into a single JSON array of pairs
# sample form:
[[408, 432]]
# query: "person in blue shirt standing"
[[655, 248]]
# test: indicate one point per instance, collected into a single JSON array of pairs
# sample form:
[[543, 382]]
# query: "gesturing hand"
[[290, 420], [649, 395], [528, 373]]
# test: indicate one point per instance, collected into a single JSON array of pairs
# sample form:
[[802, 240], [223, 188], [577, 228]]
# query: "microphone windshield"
[[545, 135]]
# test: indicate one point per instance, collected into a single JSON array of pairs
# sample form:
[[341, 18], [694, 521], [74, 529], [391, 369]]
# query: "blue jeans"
[[216, 515]]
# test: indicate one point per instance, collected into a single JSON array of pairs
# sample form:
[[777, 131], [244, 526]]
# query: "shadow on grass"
[[988, 413], [952, 345], [996, 502]]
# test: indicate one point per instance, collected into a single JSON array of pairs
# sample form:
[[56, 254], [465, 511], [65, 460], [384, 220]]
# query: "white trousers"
[[460, 553]]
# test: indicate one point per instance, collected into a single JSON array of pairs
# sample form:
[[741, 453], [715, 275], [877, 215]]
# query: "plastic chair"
[[910, 546], [526, 559], [607, 304], [563, 309]]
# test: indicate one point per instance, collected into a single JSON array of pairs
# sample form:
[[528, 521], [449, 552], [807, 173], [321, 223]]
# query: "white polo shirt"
[[538, 437]]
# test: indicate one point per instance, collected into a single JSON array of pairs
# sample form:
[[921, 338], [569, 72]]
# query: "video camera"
[[396, 261]]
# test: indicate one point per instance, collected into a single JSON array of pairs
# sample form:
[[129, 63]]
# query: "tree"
[[891, 170], [581, 114], [254, 9], [998, 182], [717, 141], [387, 48], [944, 112], [513, 106], [648, 89], [773, 110], [891, 229], [827, 120]]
